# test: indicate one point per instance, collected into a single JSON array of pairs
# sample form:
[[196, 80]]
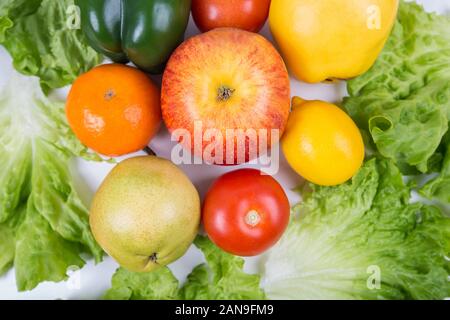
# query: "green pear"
[[146, 213]]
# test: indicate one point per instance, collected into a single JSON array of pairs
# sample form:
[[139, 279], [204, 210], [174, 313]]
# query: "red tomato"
[[249, 15], [245, 212]]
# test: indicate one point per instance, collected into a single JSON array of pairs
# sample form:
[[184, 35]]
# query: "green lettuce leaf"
[[220, 278], [362, 240], [44, 225], [8, 242], [158, 285], [43, 39], [41, 254], [439, 187], [403, 101]]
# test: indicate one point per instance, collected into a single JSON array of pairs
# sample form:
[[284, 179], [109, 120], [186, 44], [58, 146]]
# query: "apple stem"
[[224, 93]]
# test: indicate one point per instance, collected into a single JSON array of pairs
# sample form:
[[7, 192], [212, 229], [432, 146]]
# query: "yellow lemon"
[[322, 143]]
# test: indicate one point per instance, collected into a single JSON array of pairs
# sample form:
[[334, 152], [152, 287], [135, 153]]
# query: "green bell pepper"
[[145, 32]]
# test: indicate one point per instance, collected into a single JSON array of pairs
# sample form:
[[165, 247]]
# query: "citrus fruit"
[[322, 143], [114, 109]]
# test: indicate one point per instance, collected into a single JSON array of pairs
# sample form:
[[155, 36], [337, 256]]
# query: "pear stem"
[[153, 258]]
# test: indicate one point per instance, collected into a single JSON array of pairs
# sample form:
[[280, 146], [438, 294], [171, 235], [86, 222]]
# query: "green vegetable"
[[439, 187], [157, 285], [144, 32], [222, 277], [403, 101], [42, 38], [43, 224], [362, 240]]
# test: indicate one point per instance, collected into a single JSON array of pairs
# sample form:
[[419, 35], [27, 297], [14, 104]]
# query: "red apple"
[[226, 95]]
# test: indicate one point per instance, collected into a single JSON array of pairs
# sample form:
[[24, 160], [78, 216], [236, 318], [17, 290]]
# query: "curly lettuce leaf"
[[439, 187], [8, 242], [221, 277], [403, 101], [7, 247], [41, 37], [41, 254], [44, 225], [362, 240], [158, 285]]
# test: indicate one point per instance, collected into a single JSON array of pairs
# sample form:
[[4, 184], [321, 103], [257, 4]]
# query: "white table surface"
[[91, 281]]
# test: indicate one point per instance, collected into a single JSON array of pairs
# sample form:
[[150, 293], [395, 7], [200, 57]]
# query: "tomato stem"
[[252, 218]]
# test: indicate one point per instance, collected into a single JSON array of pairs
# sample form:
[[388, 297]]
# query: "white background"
[[91, 281]]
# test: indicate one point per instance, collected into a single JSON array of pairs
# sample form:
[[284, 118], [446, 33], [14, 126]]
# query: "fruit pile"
[[226, 80], [225, 98]]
